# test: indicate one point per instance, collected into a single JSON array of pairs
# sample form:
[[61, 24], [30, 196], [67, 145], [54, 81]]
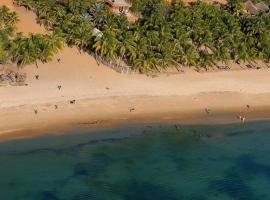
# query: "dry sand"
[[7, 3], [27, 19], [105, 98]]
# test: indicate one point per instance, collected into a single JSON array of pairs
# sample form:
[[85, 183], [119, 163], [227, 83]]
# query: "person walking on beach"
[[243, 119], [72, 101], [207, 110]]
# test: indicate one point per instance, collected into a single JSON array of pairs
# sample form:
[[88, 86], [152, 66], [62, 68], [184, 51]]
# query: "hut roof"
[[251, 8], [118, 3], [262, 7], [256, 9], [97, 33]]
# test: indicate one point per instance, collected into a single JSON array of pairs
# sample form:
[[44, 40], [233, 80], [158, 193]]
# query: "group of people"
[[240, 117], [55, 106], [59, 88]]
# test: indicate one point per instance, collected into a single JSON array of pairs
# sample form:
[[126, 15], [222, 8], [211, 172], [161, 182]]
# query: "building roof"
[[251, 8], [118, 3], [262, 7], [222, 2], [97, 33], [256, 9]]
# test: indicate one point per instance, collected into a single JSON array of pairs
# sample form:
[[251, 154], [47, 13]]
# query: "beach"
[[73, 128], [27, 19], [105, 98]]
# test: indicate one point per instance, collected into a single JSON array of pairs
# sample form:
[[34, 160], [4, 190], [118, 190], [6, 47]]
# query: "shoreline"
[[105, 113], [101, 94], [105, 99]]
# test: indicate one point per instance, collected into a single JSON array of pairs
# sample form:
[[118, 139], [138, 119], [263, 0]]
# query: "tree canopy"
[[24, 49], [166, 35]]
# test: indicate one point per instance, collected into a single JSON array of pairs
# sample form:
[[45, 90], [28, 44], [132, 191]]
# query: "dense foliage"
[[7, 22], [164, 36], [24, 49]]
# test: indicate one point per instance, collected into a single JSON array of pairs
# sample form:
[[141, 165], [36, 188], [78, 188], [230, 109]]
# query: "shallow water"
[[154, 162]]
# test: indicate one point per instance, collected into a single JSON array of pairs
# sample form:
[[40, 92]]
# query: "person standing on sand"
[[72, 101], [207, 110], [243, 119]]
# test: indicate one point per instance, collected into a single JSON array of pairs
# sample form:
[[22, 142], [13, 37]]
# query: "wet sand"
[[91, 114], [104, 98]]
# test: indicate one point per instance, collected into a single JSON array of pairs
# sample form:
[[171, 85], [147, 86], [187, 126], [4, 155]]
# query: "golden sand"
[[105, 98]]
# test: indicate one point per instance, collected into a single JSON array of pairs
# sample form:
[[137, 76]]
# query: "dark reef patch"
[[236, 133], [246, 164], [47, 195], [93, 167], [148, 191], [233, 186]]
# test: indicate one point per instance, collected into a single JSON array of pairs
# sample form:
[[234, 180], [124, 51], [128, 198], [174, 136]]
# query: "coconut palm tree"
[[165, 35], [127, 46], [106, 46]]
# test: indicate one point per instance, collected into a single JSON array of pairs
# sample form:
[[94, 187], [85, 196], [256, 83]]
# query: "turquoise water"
[[225, 162]]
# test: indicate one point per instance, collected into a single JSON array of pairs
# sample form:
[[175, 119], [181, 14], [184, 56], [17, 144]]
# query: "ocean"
[[142, 162]]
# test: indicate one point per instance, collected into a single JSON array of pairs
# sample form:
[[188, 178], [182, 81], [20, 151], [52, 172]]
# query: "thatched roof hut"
[[122, 7], [251, 8], [222, 2], [262, 7], [256, 9], [97, 33]]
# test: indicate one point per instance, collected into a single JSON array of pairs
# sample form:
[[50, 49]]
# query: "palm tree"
[[106, 46], [165, 35], [127, 46], [146, 64]]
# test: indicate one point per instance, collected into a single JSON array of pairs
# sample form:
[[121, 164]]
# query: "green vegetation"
[[165, 36], [24, 50], [7, 22]]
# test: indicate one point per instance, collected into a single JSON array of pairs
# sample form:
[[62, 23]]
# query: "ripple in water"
[[141, 163]]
